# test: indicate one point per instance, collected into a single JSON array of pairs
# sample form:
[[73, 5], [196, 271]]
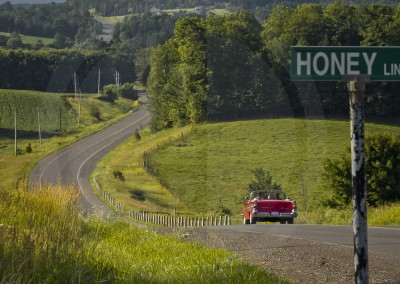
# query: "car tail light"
[[294, 205]]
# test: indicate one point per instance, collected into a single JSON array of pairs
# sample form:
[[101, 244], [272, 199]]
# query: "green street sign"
[[333, 63]]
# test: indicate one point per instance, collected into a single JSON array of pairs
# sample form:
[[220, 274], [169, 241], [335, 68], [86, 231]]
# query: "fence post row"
[[166, 221], [178, 221]]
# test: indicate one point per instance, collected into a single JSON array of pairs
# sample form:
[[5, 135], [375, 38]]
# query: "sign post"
[[356, 89], [355, 65]]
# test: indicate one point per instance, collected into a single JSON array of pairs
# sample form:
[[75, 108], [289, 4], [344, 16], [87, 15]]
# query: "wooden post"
[[360, 227]]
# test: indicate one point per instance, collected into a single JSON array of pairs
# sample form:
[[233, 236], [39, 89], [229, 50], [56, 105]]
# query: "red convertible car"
[[272, 206]]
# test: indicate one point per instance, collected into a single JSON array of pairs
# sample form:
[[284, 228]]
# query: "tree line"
[[259, 7], [230, 67], [48, 21], [52, 70]]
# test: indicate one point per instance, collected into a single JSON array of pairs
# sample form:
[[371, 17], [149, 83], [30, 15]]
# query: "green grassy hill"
[[31, 39], [216, 164], [211, 163]]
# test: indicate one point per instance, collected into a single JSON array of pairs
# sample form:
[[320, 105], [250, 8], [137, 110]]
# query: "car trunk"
[[282, 206]]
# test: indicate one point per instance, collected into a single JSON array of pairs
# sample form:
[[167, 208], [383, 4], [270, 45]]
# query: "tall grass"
[[387, 215], [44, 240], [128, 159]]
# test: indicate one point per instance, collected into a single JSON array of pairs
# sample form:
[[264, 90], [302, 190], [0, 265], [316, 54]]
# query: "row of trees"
[[234, 67], [260, 7], [52, 70], [48, 20]]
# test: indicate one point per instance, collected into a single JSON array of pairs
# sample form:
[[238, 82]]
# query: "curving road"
[[74, 164]]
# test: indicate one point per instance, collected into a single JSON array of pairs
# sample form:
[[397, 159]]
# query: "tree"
[[262, 180], [382, 171], [15, 41]]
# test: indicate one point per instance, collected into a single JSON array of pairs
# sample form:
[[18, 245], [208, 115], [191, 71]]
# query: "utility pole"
[[116, 78], [40, 133], [79, 110], [75, 84], [60, 117], [356, 87], [98, 84], [15, 133]]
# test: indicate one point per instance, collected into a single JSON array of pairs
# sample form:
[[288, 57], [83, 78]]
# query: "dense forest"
[[258, 7], [47, 21], [52, 70], [233, 67]]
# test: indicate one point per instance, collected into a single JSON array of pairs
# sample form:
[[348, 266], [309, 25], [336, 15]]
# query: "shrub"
[[127, 91], [119, 175], [137, 194], [382, 170], [28, 148], [109, 93]]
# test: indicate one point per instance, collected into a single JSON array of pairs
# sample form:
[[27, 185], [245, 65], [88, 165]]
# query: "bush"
[[112, 92], [127, 91], [382, 170], [119, 175], [109, 93], [137, 194], [28, 148]]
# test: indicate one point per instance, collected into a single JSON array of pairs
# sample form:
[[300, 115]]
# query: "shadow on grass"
[[6, 133]]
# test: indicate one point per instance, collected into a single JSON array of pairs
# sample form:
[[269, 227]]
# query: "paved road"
[[74, 164], [383, 240]]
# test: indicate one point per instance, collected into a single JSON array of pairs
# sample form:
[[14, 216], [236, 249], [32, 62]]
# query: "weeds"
[[51, 243]]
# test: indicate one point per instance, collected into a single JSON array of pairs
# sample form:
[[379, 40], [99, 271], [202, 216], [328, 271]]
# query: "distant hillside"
[[31, 1]]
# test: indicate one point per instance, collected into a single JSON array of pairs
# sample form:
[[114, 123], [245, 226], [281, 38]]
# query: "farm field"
[[60, 125], [31, 39]]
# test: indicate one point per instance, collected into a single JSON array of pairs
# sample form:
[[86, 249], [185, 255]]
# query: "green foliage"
[[137, 135], [127, 91], [137, 194], [51, 243], [112, 92], [119, 175], [52, 70], [382, 171], [28, 148], [109, 93], [262, 180], [45, 20]]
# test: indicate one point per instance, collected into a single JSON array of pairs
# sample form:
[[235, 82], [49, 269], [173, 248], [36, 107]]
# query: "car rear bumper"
[[257, 214]]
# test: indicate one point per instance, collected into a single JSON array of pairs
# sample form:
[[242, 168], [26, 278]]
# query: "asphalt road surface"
[[384, 240], [74, 164]]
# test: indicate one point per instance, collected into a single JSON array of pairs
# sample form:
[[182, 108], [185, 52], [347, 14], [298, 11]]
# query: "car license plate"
[[275, 214]]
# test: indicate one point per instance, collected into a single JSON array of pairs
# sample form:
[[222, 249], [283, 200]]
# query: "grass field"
[[31, 39], [95, 115], [51, 243], [212, 163]]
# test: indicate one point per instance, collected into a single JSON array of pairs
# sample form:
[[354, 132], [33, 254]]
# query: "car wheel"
[[252, 220], [290, 221], [246, 221]]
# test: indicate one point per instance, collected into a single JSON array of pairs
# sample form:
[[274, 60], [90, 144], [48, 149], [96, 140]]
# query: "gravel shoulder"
[[298, 260]]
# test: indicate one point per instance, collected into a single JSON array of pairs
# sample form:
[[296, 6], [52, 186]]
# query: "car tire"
[[246, 221], [252, 220]]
